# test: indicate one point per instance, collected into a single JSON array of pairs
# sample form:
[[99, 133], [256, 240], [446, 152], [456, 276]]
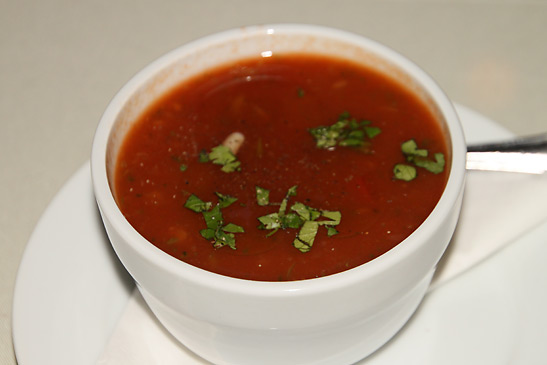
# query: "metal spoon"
[[523, 154]]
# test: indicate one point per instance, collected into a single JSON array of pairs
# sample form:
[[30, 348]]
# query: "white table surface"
[[62, 61]]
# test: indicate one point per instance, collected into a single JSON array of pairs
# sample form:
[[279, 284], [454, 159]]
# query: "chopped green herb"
[[292, 190], [305, 212], [270, 221], [354, 138], [222, 238], [262, 196], [435, 167], [292, 220], [326, 137], [305, 237], [334, 216], [372, 131], [196, 204], [183, 167], [331, 231], [300, 217], [208, 233], [410, 148], [300, 92], [284, 202], [418, 157], [346, 132], [222, 155], [233, 228], [220, 234], [404, 172], [225, 200], [213, 217]]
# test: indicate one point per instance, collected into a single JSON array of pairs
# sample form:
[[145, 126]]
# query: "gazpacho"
[[281, 168]]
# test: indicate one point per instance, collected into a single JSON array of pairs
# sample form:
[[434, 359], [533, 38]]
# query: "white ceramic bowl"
[[337, 319]]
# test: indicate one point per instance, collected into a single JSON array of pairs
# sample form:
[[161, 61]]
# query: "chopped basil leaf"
[[224, 239], [283, 206], [208, 233], [196, 204], [303, 211], [213, 217], [346, 132], [233, 228], [292, 190], [292, 220], [183, 167], [404, 172], [372, 131], [435, 167], [410, 148], [225, 200], [221, 155], [352, 142], [331, 231], [270, 221], [300, 216], [325, 137], [305, 237], [231, 166], [220, 234], [334, 216], [300, 92], [315, 214], [262, 196], [356, 134], [417, 157]]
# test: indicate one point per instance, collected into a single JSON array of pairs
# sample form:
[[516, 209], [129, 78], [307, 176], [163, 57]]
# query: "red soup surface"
[[338, 165]]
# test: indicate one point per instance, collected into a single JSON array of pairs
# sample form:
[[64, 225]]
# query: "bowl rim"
[[204, 278]]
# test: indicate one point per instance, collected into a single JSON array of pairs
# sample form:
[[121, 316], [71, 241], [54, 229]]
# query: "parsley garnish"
[[217, 232], [347, 132], [300, 216], [221, 155], [417, 157]]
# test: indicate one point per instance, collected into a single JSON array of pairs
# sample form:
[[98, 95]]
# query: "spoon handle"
[[532, 143], [524, 155]]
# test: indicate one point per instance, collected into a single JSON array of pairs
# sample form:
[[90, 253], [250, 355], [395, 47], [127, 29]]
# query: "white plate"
[[71, 290]]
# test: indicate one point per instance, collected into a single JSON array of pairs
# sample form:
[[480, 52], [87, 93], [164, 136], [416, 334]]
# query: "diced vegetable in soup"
[[282, 168]]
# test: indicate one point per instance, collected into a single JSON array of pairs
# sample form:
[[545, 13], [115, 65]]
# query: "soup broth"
[[281, 168]]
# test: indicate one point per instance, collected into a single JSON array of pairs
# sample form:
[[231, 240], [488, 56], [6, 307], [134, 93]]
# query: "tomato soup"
[[282, 168]]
